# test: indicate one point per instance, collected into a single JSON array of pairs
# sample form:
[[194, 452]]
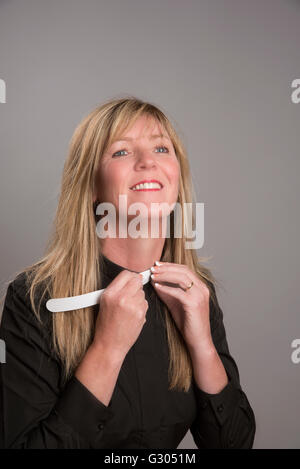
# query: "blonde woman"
[[150, 360]]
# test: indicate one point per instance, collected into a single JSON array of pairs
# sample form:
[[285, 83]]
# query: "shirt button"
[[100, 426], [220, 408], [203, 405]]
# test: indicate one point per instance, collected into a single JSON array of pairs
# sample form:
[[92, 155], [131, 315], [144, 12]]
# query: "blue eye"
[[116, 153], [163, 151]]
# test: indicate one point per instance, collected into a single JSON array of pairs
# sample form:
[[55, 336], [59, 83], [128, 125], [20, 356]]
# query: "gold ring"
[[190, 286]]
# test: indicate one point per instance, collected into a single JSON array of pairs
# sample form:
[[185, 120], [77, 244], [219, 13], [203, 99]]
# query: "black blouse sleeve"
[[226, 419], [35, 410]]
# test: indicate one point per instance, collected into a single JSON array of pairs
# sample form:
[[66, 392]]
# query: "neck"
[[134, 254]]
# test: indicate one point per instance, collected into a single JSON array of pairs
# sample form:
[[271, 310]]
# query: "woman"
[[149, 361]]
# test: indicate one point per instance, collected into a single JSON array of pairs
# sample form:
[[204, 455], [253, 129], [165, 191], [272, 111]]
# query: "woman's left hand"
[[189, 307]]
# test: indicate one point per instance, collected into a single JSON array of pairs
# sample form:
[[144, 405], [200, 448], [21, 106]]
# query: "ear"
[[96, 198], [95, 204]]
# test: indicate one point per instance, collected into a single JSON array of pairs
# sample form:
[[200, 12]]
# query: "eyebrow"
[[152, 137]]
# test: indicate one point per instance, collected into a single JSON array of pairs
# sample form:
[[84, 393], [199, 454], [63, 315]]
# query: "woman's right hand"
[[122, 313]]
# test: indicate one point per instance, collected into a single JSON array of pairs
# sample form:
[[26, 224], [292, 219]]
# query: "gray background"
[[222, 70]]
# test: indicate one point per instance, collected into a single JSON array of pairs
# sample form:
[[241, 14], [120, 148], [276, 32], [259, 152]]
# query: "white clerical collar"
[[70, 303]]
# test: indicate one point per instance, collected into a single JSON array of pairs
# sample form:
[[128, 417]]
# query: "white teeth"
[[147, 185]]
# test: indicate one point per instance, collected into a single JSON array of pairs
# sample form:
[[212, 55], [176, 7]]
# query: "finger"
[[135, 284], [168, 266], [180, 269], [124, 278], [178, 278], [172, 291]]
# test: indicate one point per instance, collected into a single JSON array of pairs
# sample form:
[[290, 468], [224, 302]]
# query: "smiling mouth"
[[147, 186], [153, 189]]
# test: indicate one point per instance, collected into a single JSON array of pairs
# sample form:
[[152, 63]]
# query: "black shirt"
[[38, 410]]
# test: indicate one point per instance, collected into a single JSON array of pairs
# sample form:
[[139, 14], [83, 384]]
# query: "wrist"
[[203, 349], [109, 354]]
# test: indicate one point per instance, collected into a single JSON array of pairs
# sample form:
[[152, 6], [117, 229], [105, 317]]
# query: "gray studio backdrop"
[[222, 70]]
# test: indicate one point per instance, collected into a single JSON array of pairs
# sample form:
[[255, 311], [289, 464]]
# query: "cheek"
[[173, 172], [111, 178]]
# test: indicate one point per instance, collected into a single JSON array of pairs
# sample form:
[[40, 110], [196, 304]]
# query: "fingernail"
[[157, 263]]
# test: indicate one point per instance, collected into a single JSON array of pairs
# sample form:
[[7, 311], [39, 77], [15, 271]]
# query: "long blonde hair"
[[72, 263]]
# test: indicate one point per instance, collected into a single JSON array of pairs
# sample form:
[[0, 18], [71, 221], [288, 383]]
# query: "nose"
[[144, 160]]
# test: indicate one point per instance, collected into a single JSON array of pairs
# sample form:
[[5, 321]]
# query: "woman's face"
[[139, 155]]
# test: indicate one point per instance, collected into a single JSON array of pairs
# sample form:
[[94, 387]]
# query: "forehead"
[[143, 128]]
